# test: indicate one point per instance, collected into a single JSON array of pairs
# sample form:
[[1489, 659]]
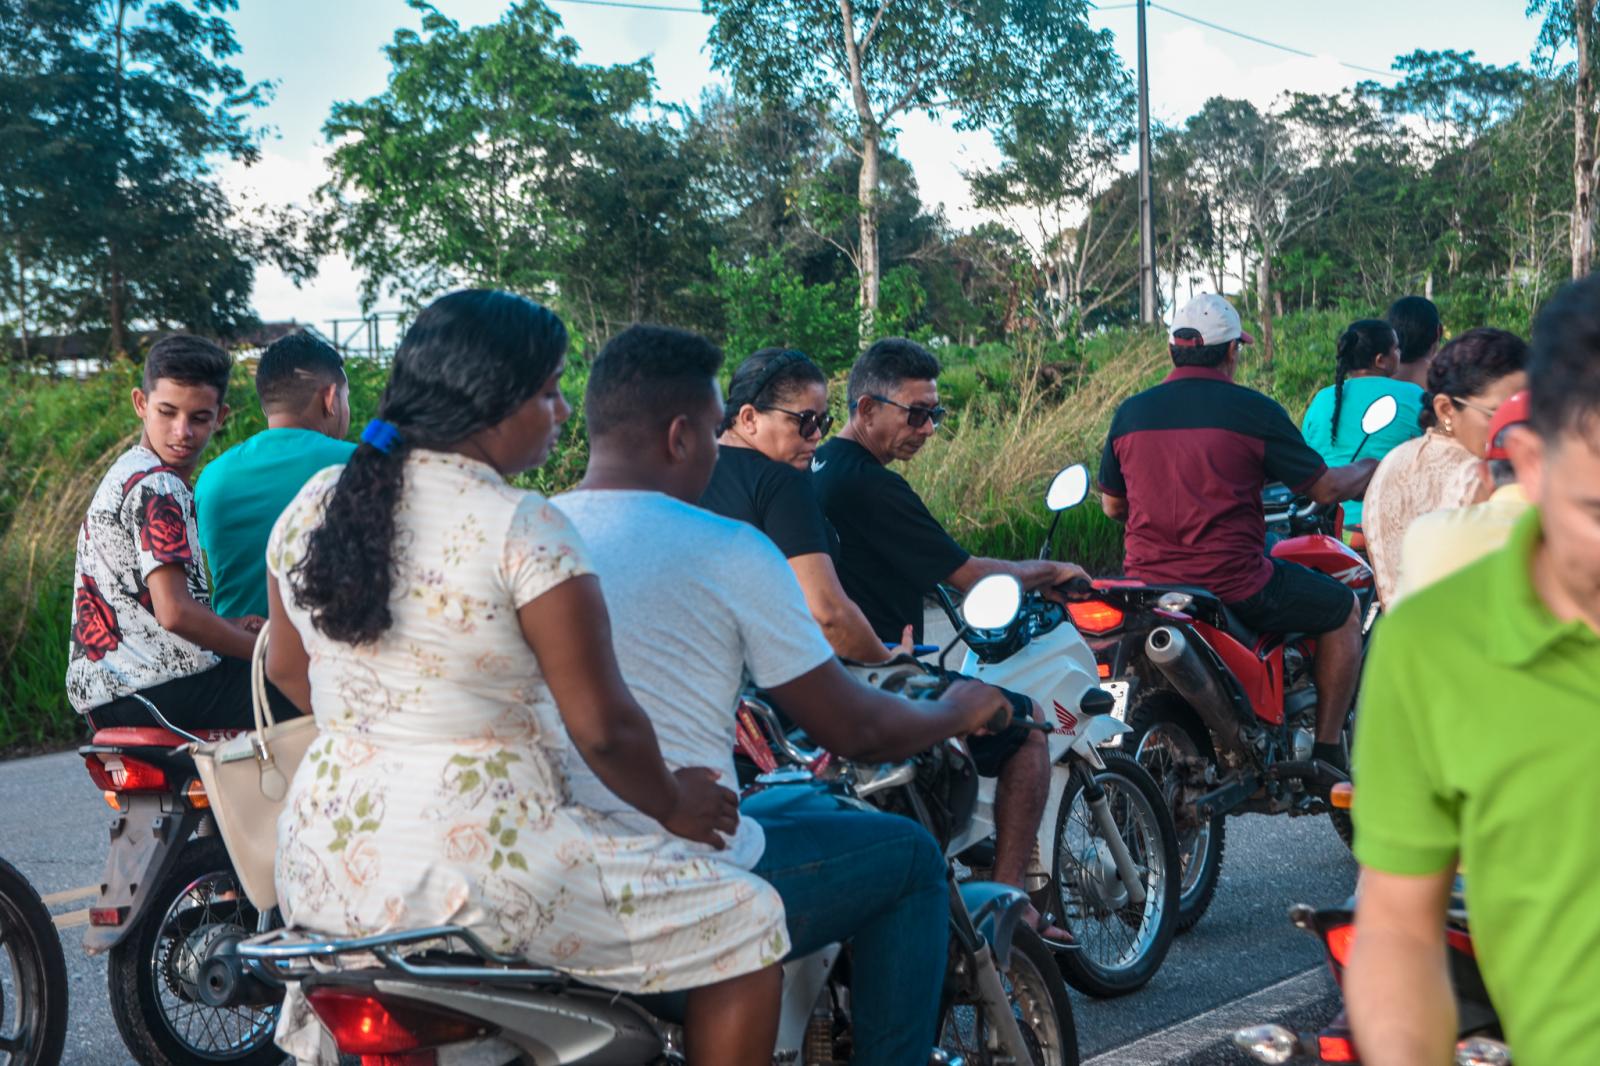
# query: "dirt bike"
[[33, 974], [1478, 1025], [442, 990], [168, 895], [1222, 716]]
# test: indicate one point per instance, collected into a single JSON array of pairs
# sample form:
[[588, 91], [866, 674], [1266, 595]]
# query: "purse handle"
[[260, 706]]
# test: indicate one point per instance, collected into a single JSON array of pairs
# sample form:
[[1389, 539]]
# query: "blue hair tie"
[[380, 434]]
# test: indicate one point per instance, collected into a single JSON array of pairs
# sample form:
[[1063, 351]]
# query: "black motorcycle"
[[33, 975]]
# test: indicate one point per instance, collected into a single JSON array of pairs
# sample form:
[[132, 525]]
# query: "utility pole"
[[1147, 223]]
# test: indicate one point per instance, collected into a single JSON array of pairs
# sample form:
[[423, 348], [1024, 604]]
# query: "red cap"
[[1514, 411]]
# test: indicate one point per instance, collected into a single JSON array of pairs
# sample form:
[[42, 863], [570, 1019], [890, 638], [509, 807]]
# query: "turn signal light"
[[364, 1025], [1092, 616], [195, 793], [119, 773], [1336, 1049], [1342, 795], [1340, 939], [1104, 670]]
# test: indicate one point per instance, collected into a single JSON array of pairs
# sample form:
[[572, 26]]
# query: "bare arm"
[[569, 631], [1115, 507], [1339, 483], [1402, 1012], [182, 615], [288, 665], [1034, 574], [861, 722], [847, 629]]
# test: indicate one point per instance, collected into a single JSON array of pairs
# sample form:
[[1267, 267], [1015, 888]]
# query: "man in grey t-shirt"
[[699, 605]]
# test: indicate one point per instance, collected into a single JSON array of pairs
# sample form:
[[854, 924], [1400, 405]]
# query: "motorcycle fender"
[[1099, 729], [996, 912], [145, 842]]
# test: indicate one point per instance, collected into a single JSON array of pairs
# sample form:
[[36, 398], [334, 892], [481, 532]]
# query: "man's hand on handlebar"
[[1059, 588]]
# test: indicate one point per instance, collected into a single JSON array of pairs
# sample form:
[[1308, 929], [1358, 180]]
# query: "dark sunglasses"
[[917, 416], [812, 423]]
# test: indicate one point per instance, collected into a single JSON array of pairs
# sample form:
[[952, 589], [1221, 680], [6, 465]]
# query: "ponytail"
[[1360, 347]]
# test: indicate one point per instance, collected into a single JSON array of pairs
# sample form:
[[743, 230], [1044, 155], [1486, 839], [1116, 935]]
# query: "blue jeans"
[[878, 881]]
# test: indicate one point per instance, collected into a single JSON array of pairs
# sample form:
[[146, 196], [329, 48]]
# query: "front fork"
[[1100, 810], [999, 914]]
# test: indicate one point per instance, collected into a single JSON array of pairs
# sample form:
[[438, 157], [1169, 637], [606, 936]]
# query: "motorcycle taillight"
[[1339, 939], [1093, 616], [122, 773], [386, 1031], [1336, 1049]]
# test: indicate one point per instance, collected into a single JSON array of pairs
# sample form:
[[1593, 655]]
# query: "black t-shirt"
[[892, 552], [772, 496]]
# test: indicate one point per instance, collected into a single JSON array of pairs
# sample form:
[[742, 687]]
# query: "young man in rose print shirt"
[[142, 618]]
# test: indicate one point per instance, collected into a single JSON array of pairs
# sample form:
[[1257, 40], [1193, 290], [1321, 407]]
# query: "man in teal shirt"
[[306, 398], [1478, 747]]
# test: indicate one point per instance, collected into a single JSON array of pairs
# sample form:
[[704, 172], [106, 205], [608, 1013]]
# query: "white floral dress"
[[435, 793]]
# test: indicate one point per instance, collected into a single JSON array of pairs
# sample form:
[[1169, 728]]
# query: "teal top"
[[1359, 393], [238, 497]]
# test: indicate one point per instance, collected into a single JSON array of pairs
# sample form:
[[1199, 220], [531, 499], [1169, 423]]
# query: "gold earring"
[[1449, 427]]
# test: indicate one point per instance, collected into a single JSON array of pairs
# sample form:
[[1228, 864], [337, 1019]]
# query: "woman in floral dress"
[[446, 632]]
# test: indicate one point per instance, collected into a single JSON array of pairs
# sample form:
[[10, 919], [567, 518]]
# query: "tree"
[[866, 63], [1573, 22], [458, 171]]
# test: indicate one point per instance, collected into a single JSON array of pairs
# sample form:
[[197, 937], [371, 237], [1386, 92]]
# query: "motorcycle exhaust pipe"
[[1171, 653]]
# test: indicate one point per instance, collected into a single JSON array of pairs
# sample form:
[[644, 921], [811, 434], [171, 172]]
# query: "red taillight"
[[1336, 1049], [120, 773], [1340, 938], [1093, 616], [362, 1024], [107, 915]]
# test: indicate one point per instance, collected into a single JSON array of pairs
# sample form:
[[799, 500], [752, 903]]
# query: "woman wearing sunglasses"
[[776, 415], [1469, 378]]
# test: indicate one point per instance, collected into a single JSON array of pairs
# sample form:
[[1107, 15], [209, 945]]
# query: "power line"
[[1264, 41], [634, 7]]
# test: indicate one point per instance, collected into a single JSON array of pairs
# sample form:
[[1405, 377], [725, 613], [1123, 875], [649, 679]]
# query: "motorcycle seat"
[[149, 736], [1209, 608], [667, 1006]]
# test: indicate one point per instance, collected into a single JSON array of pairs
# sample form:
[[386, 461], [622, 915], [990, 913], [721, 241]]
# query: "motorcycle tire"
[[160, 1021], [1121, 951], [33, 1014], [1039, 998], [1200, 848]]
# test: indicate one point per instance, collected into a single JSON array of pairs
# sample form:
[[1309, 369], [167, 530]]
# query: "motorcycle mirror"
[[1068, 489], [993, 602], [1379, 415]]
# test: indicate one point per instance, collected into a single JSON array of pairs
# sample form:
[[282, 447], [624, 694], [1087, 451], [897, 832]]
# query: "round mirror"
[[993, 602], [1070, 488], [1382, 411]]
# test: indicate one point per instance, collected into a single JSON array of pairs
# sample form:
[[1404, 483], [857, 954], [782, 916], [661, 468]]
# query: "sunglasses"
[[812, 423], [917, 416], [1469, 405]]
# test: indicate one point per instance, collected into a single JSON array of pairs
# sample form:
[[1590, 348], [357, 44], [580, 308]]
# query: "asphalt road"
[[54, 830]]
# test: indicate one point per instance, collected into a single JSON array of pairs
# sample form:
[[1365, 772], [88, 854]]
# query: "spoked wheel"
[[1119, 944], [1164, 737], [1038, 1000], [33, 977], [153, 975]]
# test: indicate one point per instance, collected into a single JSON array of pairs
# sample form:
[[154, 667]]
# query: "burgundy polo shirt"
[[1191, 457]]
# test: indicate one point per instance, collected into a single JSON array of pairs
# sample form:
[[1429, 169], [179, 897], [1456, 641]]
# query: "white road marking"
[[55, 899], [1176, 1043], [72, 919]]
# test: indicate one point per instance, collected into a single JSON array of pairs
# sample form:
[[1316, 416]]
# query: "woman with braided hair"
[[775, 416], [1368, 355]]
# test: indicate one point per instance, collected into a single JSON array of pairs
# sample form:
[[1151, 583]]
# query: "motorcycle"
[[1478, 1026], [1223, 717], [168, 895], [1107, 832], [441, 992], [33, 1012]]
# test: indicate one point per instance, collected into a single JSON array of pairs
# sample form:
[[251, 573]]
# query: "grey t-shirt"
[[698, 605]]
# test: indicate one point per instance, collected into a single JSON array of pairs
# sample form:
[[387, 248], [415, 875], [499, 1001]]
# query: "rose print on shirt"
[[162, 529], [94, 625]]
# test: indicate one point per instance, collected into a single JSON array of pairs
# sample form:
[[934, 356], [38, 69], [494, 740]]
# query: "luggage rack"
[[293, 954]]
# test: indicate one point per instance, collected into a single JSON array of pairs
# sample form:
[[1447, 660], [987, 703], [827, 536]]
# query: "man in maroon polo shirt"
[[1184, 467]]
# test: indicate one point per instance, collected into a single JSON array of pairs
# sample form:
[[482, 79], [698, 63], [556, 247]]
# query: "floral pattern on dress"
[[435, 793], [1427, 473]]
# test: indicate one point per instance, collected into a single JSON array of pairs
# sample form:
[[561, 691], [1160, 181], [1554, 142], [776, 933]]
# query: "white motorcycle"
[[1107, 839]]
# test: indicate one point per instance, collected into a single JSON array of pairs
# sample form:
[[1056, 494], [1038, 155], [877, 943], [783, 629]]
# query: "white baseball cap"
[[1213, 318]]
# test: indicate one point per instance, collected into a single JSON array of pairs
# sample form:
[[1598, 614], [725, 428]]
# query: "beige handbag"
[[247, 778]]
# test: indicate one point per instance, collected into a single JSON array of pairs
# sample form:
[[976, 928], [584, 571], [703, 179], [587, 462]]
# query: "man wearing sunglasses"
[[893, 553]]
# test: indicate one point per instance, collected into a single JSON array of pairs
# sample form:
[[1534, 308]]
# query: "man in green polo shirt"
[[241, 493], [1479, 745]]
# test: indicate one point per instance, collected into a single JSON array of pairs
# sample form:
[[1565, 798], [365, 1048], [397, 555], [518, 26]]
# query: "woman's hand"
[[704, 809]]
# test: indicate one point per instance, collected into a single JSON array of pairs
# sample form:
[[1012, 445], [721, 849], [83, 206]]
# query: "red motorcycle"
[[1222, 716]]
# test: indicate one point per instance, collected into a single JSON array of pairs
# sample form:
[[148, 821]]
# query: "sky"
[[322, 51]]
